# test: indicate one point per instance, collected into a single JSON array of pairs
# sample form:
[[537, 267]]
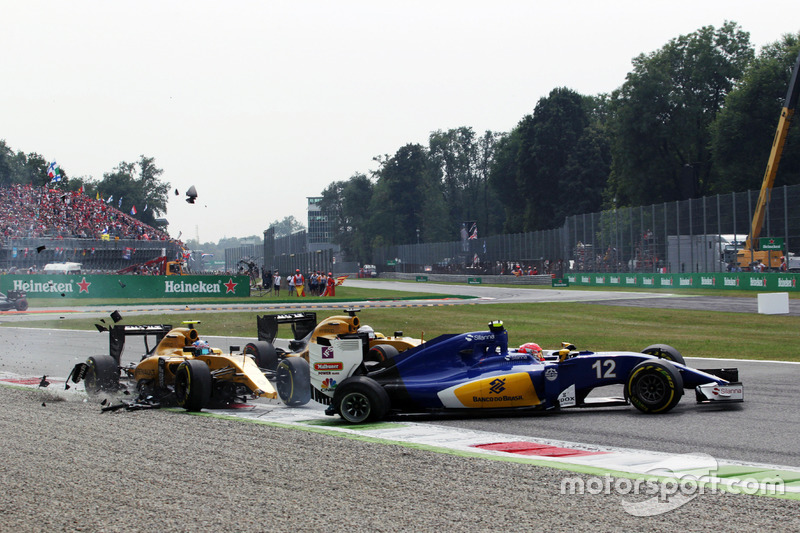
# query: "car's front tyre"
[[102, 375], [654, 386], [193, 384], [293, 381]]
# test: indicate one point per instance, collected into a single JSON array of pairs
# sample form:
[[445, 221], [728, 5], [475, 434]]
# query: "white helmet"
[[368, 330]]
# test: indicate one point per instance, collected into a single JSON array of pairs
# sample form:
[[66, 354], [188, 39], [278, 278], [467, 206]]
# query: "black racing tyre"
[[193, 384], [664, 351], [359, 399], [293, 381], [264, 353], [21, 304], [102, 375], [654, 386], [381, 352]]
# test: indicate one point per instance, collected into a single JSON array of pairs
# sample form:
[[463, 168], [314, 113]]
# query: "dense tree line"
[[693, 118]]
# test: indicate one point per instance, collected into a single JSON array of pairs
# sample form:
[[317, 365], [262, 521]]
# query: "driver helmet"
[[533, 349], [368, 330], [201, 347]]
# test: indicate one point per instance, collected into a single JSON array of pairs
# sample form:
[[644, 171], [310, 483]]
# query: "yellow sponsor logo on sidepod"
[[511, 390]]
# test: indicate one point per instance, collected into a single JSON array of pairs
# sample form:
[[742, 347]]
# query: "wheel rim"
[[355, 407], [283, 383], [91, 381], [651, 389]]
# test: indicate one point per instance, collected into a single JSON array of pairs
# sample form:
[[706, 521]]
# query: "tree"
[[464, 160], [6, 164], [742, 132], [503, 176], [136, 185], [552, 164], [585, 174], [287, 226], [155, 191], [454, 153], [407, 197], [30, 168], [558, 123], [489, 209], [343, 202], [662, 113]]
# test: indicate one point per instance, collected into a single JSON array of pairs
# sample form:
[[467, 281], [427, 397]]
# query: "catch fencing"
[[673, 237]]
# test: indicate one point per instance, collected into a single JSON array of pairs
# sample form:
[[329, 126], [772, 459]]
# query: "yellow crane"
[[747, 255]]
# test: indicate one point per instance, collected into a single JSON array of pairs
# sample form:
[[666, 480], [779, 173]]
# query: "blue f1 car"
[[477, 371]]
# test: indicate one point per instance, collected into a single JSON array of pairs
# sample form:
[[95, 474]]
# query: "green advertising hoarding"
[[770, 243], [125, 286], [764, 281]]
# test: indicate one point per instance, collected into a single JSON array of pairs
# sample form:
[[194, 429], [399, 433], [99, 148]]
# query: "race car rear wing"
[[118, 333], [302, 325]]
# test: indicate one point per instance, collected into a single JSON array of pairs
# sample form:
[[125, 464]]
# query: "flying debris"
[[40, 249], [115, 316], [191, 194], [44, 382]]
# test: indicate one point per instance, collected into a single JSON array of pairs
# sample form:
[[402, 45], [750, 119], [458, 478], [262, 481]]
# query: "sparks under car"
[[477, 370]]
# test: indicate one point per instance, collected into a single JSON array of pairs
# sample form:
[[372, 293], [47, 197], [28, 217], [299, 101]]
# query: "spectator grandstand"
[[40, 225]]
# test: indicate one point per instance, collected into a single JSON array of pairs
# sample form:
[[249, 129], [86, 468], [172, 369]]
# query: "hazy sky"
[[260, 104]]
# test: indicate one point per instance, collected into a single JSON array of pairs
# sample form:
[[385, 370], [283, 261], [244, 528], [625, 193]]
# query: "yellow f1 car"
[[179, 370]]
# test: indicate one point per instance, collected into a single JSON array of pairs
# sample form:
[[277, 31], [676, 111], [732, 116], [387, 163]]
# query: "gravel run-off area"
[[67, 466]]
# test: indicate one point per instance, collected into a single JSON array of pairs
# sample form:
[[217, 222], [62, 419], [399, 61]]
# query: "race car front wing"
[[714, 392]]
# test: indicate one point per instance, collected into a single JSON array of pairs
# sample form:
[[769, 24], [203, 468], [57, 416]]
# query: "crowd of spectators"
[[28, 211]]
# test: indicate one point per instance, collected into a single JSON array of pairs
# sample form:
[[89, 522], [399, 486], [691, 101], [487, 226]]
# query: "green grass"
[[588, 326]]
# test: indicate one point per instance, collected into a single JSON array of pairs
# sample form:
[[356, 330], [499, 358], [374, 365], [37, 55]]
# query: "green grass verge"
[[588, 326]]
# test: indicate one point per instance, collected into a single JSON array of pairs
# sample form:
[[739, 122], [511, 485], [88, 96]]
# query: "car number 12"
[[610, 367]]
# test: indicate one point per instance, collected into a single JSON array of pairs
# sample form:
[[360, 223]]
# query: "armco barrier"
[[765, 281], [125, 286]]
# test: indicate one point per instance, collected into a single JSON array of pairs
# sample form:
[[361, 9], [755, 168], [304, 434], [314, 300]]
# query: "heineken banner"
[[125, 286], [764, 281]]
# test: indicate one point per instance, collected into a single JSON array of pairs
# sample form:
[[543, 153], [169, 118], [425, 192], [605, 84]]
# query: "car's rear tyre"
[[293, 381], [264, 353], [21, 304], [381, 352], [654, 386], [664, 351], [359, 399], [193, 384], [102, 375]]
